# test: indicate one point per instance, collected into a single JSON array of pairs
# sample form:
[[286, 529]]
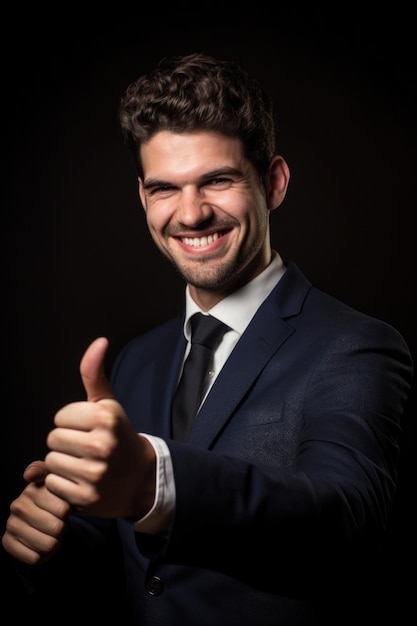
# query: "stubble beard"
[[206, 273]]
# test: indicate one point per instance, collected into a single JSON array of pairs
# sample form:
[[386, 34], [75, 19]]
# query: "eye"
[[161, 189], [219, 182]]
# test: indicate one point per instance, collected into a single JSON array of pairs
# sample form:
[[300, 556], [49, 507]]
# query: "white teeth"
[[198, 242]]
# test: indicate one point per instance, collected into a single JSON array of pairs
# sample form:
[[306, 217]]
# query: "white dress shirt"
[[236, 311]]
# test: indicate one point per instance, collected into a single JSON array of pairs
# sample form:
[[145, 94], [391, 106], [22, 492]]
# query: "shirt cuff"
[[158, 520]]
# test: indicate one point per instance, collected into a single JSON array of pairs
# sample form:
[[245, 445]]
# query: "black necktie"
[[206, 333]]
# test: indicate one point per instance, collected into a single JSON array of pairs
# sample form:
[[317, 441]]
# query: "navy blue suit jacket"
[[289, 471], [284, 487]]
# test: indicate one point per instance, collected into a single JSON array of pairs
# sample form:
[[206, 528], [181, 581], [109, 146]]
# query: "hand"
[[98, 463], [37, 519]]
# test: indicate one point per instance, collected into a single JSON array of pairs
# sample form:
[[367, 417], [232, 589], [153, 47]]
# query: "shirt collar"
[[237, 309]]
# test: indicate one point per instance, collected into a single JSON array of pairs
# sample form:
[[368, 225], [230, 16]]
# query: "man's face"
[[206, 210]]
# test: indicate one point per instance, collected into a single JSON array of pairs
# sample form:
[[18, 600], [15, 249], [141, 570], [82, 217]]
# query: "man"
[[271, 510]]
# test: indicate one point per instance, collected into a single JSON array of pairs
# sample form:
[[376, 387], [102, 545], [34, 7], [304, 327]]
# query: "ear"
[[277, 181], [141, 192]]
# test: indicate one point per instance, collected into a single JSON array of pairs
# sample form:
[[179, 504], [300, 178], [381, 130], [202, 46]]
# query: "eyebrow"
[[218, 172]]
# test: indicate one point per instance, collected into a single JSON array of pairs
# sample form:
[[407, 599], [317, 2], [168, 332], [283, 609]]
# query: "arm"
[[332, 504]]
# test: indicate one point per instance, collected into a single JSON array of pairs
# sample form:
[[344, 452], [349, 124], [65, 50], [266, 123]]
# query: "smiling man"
[[208, 208], [273, 509]]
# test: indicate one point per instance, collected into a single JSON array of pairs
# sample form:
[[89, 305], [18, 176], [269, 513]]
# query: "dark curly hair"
[[197, 92]]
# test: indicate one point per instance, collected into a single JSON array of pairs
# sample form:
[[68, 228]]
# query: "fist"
[[97, 462]]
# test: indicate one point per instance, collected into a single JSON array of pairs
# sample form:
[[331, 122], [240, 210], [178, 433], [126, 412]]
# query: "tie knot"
[[206, 330]]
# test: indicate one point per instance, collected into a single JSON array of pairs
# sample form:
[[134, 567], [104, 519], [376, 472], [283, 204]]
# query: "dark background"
[[77, 259]]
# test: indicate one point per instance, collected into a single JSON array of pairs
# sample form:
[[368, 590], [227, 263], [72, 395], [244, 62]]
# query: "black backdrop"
[[77, 259]]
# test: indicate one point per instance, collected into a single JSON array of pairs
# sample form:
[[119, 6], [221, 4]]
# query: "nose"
[[193, 208]]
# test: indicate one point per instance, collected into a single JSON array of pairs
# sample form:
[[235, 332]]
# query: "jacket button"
[[154, 585]]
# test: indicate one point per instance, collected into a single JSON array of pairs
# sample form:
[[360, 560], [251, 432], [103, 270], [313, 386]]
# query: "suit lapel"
[[265, 334]]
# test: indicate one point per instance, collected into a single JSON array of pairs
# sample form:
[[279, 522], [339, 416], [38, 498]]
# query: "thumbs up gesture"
[[97, 462]]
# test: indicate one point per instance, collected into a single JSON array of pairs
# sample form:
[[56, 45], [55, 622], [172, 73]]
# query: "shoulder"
[[320, 313]]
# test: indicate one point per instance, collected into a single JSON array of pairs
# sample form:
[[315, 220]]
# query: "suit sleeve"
[[333, 504]]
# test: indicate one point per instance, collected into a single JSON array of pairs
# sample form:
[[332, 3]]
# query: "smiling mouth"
[[200, 242]]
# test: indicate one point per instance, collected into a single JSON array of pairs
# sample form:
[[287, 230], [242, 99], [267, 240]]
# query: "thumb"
[[35, 472], [92, 371]]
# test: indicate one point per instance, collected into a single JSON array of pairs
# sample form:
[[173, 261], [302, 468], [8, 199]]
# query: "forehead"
[[168, 153]]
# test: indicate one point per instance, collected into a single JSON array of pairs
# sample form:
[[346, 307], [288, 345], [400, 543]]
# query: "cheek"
[[260, 212], [157, 219], [252, 213], [153, 224], [156, 235], [235, 204]]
